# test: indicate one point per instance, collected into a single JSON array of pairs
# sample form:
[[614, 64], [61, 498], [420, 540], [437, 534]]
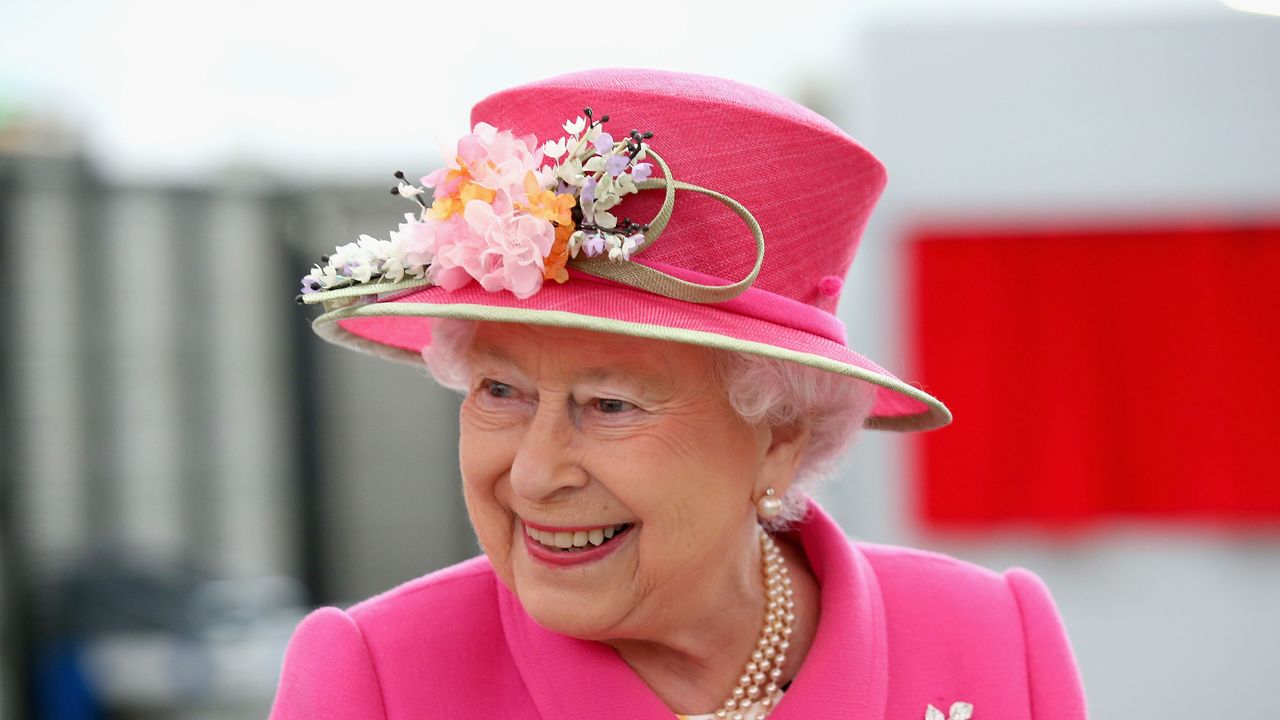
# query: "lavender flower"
[[594, 245], [604, 143], [641, 171], [588, 194], [616, 164]]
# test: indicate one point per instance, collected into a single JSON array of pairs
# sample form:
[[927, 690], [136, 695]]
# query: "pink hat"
[[540, 218]]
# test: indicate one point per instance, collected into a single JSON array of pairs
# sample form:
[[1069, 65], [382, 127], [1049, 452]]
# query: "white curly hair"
[[760, 389]]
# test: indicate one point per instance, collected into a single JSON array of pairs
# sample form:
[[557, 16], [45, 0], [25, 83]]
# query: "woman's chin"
[[570, 614], [575, 591], [585, 610]]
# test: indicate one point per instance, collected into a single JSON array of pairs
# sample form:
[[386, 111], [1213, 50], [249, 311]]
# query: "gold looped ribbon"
[[627, 273], [661, 283]]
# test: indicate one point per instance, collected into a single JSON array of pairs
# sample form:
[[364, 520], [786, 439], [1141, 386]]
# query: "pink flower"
[[429, 242], [451, 242], [444, 183], [505, 251], [493, 159], [417, 240]]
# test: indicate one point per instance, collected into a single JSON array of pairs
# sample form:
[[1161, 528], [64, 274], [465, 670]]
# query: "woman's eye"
[[611, 405], [493, 388]]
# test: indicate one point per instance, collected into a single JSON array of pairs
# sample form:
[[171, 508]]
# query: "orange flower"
[[546, 204], [445, 204], [455, 176], [475, 191], [559, 255]]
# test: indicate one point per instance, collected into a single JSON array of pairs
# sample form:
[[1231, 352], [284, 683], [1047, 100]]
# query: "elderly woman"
[[646, 407]]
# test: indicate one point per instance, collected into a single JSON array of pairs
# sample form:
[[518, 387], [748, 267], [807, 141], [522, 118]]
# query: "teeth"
[[576, 539]]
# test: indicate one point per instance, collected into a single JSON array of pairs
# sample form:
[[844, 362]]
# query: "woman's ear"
[[782, 447]]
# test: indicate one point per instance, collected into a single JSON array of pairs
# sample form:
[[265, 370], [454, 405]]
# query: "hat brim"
[[398, 327]]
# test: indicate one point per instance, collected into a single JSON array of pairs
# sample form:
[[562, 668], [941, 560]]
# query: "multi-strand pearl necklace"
[[759, 682]]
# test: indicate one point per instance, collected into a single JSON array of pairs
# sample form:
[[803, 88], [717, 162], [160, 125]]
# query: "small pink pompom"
[[830, 286]]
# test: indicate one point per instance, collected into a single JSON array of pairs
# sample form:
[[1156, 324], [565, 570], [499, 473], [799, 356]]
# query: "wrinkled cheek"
[[491, 518], [492, 524]]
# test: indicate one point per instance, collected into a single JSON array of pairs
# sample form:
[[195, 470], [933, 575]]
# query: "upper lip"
[[567, 528]]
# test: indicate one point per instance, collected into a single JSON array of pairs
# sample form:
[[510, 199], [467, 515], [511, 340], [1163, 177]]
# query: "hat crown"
[[809, 185]]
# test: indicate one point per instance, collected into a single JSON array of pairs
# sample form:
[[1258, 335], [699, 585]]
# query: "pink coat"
[[900, 629]]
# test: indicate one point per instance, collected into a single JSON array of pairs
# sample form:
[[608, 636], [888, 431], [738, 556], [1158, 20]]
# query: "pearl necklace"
[[759, 682]]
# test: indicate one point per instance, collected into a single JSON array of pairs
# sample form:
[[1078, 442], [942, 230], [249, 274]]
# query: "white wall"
[[1087, 120]]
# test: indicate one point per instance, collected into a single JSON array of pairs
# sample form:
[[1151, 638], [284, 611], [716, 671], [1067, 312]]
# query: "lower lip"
[[547, 556]]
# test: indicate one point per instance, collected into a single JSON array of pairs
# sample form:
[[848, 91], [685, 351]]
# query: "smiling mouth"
[[577, 541]]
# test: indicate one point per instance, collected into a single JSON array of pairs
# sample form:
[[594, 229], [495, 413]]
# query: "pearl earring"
[[769, 505]]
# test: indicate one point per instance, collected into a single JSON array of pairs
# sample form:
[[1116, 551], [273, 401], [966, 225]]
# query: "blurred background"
[[1078, 250]]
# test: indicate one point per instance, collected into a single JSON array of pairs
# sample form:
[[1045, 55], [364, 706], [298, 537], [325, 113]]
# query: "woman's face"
[[579, 436]]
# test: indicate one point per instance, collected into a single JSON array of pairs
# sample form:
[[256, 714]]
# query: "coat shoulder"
[[927, 571], [957, 631], [418, 646], [470, 584], [439, 635]]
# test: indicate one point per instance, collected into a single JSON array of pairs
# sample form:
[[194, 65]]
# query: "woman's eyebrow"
[[484, 351], [656, 377], [642, 377]]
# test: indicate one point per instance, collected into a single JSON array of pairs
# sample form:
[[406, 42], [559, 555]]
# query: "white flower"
[[361, 270], [620, 247], [329, 277], [575, 242], [605, 219], [396, 265], [570, 171], [392, 269], [373, 246], [554, 148], [625, 184], [404, 189], [959, 711], [343, 255], [361, 259], [573, 127], [606, 200]]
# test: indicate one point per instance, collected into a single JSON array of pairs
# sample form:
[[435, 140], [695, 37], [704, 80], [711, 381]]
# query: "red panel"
[[1097, 374]]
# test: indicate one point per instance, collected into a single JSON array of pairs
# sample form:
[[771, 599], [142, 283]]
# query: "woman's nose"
[[545, 463]]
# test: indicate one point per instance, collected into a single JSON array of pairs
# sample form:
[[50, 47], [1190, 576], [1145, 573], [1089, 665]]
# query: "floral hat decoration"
[[537, 219]]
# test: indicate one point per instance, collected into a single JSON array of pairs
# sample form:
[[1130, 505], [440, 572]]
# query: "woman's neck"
[[694, 665]]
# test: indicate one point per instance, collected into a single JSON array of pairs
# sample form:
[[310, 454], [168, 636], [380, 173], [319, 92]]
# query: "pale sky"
[[161, 89]]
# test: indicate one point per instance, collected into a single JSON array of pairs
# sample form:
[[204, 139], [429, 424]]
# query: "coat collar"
[[571, 679]]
